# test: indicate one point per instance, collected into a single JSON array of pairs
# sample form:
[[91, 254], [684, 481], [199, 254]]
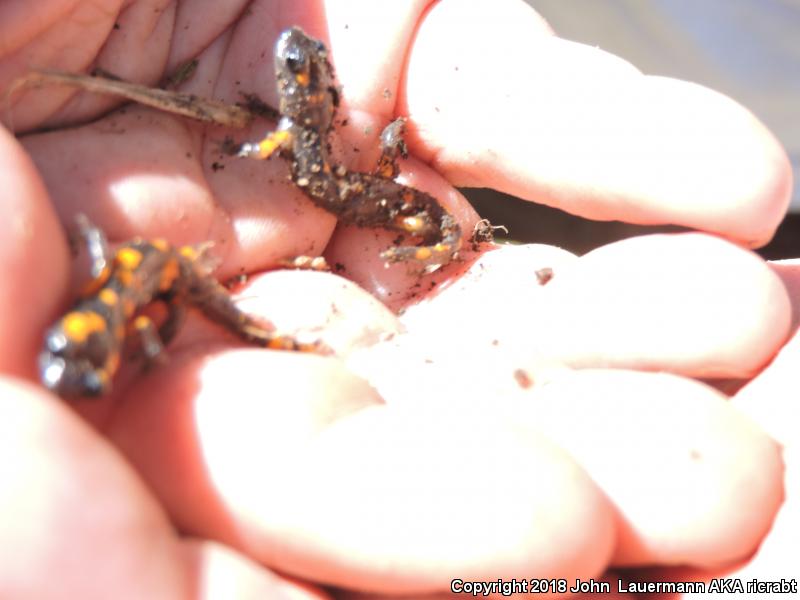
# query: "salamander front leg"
[[274, 142], [392, 147]]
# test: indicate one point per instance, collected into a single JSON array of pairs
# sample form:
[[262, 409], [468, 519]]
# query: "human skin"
[[195, 472]]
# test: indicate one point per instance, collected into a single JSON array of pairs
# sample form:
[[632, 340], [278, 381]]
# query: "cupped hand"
[[415, 457]]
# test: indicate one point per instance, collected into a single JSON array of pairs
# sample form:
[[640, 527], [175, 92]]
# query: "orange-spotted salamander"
[[308, 103], [82, 350]]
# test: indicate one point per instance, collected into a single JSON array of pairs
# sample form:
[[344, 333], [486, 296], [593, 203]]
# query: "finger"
[[768, 398], [398, 499], [82, 506], [33, 259], [494, 297], [638, 435], [582, 130], [341, 314], [789, 272], [428, 498], [686, 303], [769, 570], [773, 560]]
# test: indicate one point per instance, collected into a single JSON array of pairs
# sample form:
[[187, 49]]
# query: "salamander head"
[[308, 95], [74, 369]]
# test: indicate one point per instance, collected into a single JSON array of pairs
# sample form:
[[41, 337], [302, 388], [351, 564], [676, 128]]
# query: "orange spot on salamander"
[[129, 258], [78, 326]]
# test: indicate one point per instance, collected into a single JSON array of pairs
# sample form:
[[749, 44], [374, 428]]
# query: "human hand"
[[236, 445]]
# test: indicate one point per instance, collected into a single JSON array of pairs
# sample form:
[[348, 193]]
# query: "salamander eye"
[[295, 59]]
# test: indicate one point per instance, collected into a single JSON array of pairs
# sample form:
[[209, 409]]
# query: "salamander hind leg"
[[176, 316], [431, 256], [152, 348], [258, 334], [420, 215], [218, 306]]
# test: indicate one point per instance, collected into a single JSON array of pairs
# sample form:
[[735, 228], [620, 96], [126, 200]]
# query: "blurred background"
[[747, 49]]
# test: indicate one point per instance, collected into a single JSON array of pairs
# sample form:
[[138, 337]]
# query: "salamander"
[[309, 99], [82, 350]]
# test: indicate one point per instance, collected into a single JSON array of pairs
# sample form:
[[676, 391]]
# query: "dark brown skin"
[[308, 102]]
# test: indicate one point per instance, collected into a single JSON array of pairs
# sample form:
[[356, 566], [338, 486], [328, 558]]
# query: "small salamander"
[[308, 102], [82, 350]]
